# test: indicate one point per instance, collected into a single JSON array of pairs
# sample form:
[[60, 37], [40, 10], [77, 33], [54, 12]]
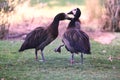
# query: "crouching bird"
[[74, 39], [40, 37]]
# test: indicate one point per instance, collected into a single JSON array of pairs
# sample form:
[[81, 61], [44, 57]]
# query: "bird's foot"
[[57, 50], [72, 61], [81, 63], [36, 59], [42, 60], [39, 60]]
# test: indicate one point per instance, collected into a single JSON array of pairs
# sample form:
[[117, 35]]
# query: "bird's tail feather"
[[22, 47], [20, 50]]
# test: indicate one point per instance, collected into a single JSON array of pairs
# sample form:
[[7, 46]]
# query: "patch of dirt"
[[102, 37]]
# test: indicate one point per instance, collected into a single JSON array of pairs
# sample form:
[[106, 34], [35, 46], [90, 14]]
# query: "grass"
[[22, 66], [51, 3]]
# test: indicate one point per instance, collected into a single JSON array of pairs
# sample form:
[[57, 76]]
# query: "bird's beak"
[[67, 17], [70, 12], [73, 12]]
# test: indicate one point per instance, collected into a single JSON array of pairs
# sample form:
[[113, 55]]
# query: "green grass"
[[22, 66], [59, 2]]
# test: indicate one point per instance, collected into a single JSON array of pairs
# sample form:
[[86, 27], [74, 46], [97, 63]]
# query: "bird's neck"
[[55, 24], [72, 23], [54, 28]]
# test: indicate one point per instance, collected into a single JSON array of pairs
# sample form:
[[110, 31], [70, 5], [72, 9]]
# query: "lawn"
[[51, 3], [22, 66]]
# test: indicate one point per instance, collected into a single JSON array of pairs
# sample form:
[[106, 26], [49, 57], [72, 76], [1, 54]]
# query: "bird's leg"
[[72, 58], [81, 58], [43, 58], [59, 48], [36, 57]]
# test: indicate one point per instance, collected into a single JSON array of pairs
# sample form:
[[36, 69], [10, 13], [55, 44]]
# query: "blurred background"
[[18, 17], [100, 19]]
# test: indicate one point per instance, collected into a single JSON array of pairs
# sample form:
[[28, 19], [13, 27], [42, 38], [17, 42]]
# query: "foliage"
[[3, 19], [6, 8], [22, 66], [112, 22]]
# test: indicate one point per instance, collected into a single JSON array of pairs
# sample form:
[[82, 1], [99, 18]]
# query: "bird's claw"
[[57, 50], [42, 60], [72, 61]]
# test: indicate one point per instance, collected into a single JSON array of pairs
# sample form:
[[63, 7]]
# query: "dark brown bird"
[[40, 37], [74, 39]]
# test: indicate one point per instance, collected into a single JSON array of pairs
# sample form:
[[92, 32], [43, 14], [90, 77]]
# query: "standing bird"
[[74, 39], [40, 37]]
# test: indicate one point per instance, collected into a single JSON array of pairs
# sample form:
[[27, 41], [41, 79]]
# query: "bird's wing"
[[76, 39], [37, 36], [86, 41], [85, 44], [34, 33], [48, 40]]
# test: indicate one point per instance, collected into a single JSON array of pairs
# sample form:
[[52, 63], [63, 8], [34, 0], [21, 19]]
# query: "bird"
[[40, 37], [74, 39]]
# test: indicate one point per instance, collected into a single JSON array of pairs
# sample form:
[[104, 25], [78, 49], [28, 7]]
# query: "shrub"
[[112, 22], [6, 7], [3, 19]]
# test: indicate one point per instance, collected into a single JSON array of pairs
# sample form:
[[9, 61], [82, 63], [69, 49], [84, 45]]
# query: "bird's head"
[[76, 12], [62, 16]]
